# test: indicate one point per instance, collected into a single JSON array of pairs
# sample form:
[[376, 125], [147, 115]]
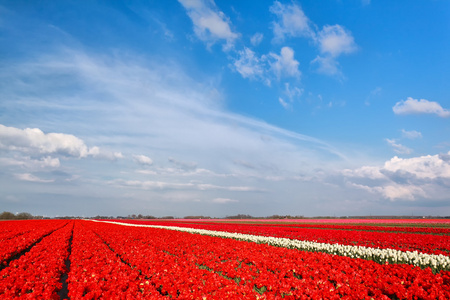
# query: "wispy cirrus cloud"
[[32, 178], [165, 185], [398, 148], [411, 134], [149, 108], [224, 200]]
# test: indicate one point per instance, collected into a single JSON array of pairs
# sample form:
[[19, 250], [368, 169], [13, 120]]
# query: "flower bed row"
[[173, 276], [423, 243], [96, 272], [423, 260], [270, 271], [37, 273], [25, 234]]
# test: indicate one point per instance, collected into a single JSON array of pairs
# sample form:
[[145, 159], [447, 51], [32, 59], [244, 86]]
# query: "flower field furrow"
[[146, 251], [423, 243], [22, 240], [274, 271], [96, 272], [37, 274]]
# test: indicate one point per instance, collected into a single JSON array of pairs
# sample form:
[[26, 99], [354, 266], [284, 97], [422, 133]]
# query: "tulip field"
[[217, 259]]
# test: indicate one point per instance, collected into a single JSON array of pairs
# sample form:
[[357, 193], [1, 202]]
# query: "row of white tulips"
[[423, 260]]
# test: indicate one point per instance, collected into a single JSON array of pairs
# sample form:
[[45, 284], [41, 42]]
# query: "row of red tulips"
[[37, 273], [174, 261], [173, 276], [17, 236], [96, 272], [425, 243]]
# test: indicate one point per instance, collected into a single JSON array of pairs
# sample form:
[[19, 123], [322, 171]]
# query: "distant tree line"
[[6, 215]]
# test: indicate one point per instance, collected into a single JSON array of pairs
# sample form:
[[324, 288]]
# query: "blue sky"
[[225, 107]]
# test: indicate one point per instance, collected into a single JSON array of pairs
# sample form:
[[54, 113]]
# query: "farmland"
[[213, 259]]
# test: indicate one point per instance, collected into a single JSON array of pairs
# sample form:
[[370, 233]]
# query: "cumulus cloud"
[[256, 39], [422, 106], [210, 24], [405, 179], [34, 140], [143, 160], [249, 65], [292, 21], [284, 65], [327, 65], [332, 40], [336, 40]]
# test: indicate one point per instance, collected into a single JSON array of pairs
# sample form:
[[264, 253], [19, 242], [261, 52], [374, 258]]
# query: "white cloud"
[[336, 40], [413, 134], [292, 21], [284, 103], [165, 185], [408, 179], [187, 166], [364, 171], [422, 167], [256, 39], [224, 200], [422, 106], [327, 65], [292, 92], [248, 65], [143, 160], [284, 65], [34, 140], [399, 148], [398, 191], [32, 178], [333, 41], [29, 163], [210, 24]]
